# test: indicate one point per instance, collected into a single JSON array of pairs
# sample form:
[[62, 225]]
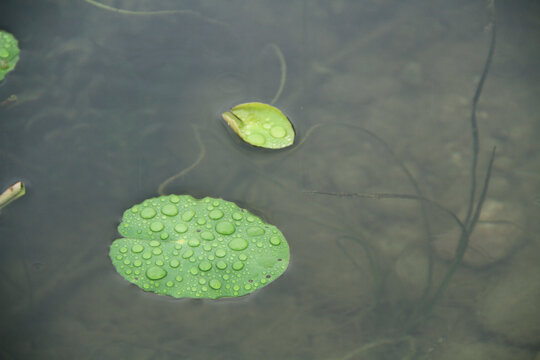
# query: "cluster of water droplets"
[[267, 133], [184, 247], [261, 125]]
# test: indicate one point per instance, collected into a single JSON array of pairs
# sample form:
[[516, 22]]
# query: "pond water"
[[111, 104]]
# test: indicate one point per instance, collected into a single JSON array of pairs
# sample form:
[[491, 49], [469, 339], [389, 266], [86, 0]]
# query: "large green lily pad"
[[197, 248], [260, 125], [9, 53]]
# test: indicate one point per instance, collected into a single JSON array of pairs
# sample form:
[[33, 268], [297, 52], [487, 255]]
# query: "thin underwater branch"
[[466, 230], [463, 241], [283, 68], [156, 12], [379, 196], [202, 153], [387, 147], [377, 273], [409, 176], [411, 344], [474, 123]]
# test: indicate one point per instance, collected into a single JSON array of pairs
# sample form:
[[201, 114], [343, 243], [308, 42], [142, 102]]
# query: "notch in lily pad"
[[184, 247], [9, 53], [260, 125]]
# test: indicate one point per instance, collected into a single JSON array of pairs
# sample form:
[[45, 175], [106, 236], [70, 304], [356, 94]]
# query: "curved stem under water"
[[202, 153]]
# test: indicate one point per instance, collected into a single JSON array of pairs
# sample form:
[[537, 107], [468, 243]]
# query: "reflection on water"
[[106, 108]]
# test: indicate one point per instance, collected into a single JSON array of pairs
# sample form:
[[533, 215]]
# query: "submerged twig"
[[384, 342], [407, 173], [463, 241], [379, 196], [377, 272], [473, 213], [283, 67], [427, 302], [157, 12], [474, 124], [163, 185]]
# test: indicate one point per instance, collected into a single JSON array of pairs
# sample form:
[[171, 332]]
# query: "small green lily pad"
[[184, 247], [260, 125], [9, 53]]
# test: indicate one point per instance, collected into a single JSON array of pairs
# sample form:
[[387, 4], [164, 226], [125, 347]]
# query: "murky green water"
[[110, 105]]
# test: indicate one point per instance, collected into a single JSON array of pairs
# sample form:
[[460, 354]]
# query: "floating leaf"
[[9, 53], [209, 248], [260, 125]]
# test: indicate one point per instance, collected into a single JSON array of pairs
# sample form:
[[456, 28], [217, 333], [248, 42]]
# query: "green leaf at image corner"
[[184, 247], [9, 53], [260, 125]]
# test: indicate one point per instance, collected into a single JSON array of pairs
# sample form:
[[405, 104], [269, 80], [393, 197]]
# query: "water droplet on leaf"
[[148, 213], [238, 244], [155, 273], [225, 228]]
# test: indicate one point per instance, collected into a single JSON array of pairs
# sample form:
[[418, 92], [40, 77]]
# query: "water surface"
[[108, 108]]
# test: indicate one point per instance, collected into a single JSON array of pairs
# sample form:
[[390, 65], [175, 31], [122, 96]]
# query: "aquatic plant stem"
[[379, 196], [304, 47], [283, 67], [472, 213], [474, 123], [387, 147], [463, 241], [409, 176], [376, 271], [382, 342], [202, 153], [157, 12]]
